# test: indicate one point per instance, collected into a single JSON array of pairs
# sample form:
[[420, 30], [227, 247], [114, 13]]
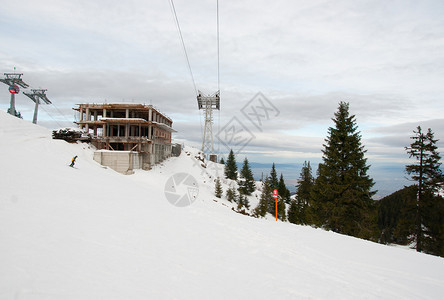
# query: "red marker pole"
[[275, 196]]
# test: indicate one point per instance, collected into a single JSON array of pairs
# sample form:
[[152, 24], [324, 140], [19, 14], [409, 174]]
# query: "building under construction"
[[127, 136]]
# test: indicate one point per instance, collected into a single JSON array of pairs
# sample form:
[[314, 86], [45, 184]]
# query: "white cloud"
[[385, 58]]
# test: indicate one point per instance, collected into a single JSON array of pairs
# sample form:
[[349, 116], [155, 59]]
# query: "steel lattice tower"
[[208, 103]]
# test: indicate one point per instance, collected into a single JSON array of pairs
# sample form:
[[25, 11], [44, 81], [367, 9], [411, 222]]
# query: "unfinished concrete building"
[[128, 136]]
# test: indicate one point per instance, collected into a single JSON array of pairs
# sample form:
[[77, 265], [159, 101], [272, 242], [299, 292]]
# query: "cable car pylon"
[[14, 80], [208, 103], [35, 96]]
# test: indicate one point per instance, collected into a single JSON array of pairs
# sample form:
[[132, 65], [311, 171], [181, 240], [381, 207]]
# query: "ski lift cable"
[[173, 9], [176, 19], [218, 72], [218, 51], [51, 116], [61, 113], [183, 45]]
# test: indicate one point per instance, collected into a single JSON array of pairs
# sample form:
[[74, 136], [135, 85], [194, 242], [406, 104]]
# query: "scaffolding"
[[127, 127]]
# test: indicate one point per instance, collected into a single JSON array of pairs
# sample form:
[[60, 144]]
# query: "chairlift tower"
[[208, 103], [36, 96], [13, 80]]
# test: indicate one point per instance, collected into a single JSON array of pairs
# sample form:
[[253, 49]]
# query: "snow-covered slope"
[[91, 233]]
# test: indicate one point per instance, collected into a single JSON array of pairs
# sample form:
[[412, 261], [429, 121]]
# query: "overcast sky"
[[386, 58]]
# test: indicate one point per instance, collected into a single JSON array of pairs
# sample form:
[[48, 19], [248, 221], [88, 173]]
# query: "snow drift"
[[91, 233]]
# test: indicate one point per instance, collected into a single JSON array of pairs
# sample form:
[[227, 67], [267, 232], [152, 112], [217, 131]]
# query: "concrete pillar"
[[36, 111], [130, 163], [87, 118], [104, 112], [81, 114], [127, 113], [12, 110], [150, 114]]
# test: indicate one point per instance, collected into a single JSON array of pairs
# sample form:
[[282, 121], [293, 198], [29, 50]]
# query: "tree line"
[[339, 196], [246, 185]]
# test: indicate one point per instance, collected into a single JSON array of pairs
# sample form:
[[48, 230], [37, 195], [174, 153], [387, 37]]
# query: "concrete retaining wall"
[[120, 161], [126, 162]]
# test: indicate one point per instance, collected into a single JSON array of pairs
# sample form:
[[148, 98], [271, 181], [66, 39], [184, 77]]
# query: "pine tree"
[[273, 178], [243, 202], [294, 213], [231, 195], [305, 184], [218, 188], [396, 216], [298, 207], [262, 207], [231, 167], [303, 195], [428, 176], [247, 184], [222, 161], [281, 209], [343, 189], [433, 242], [246, 202], [283, 192], [240, 203]]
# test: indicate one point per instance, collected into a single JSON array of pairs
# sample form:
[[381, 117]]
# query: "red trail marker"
[[275, 196]]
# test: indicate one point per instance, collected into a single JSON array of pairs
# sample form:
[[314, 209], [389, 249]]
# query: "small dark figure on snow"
[[73, 161]]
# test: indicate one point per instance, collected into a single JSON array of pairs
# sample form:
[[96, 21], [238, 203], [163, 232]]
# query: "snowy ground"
[[91, 233]]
